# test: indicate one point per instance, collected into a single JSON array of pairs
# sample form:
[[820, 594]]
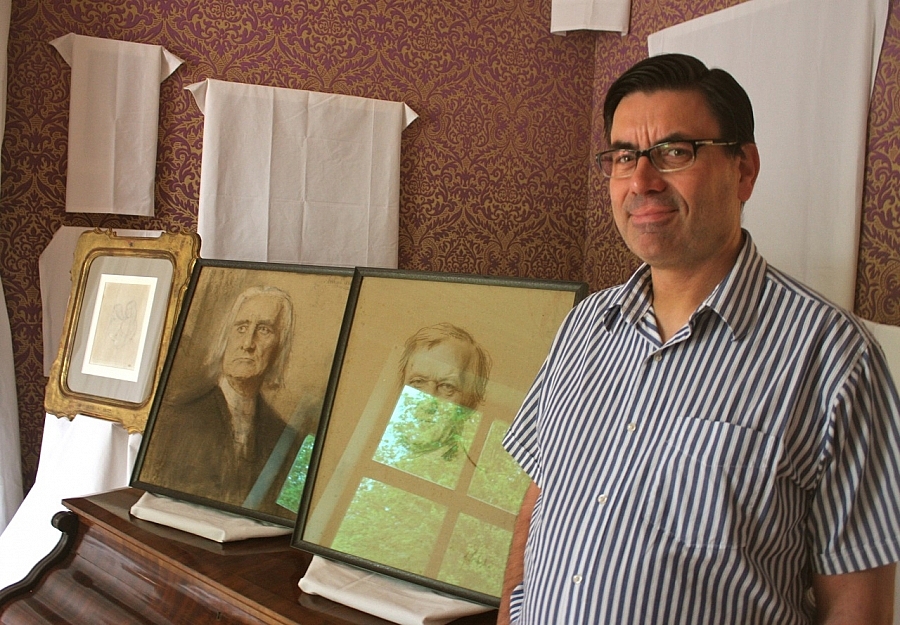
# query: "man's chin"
[[242, 374]]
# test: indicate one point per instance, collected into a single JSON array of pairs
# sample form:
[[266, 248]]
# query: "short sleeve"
[[521, 440], [856, 509]]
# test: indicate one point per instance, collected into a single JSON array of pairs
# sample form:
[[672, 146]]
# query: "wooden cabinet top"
[[125, 570]]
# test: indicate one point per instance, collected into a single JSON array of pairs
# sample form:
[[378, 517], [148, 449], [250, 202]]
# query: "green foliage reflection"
[[476, 556], [391, 526], [292, 490], [428, 437]]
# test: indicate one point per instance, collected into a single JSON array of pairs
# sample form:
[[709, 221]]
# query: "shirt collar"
[[735, 299]]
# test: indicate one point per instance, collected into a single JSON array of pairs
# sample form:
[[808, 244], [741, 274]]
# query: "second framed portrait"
[[233, 421], [408, 476]]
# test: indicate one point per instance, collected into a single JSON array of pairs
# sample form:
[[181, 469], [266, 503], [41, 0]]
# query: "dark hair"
[[727, 100]]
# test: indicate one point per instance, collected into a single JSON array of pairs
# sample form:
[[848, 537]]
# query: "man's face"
[[253, 338], [684, 220], [441, 371]]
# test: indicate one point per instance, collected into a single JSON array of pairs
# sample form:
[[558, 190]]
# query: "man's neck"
[[243, 411], [245, 387], [235, 398], [678, 294]]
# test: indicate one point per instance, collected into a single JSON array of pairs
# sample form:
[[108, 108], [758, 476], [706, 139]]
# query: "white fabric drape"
[[391, 599], [809, 67], [611, 15], [78, 458], [113, 123], [889, 338], [298, 176], [10, 453]]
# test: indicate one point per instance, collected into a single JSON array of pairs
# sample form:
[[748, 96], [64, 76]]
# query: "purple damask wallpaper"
[[496, 174], [493, 173]]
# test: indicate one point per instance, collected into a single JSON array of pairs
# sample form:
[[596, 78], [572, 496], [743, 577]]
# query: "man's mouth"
[[649, 212]]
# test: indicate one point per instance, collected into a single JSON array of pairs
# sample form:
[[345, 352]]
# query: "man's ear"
[[748, 165]]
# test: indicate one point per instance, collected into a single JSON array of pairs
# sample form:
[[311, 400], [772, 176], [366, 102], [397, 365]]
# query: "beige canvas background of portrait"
[[318, 302], [515, 326]]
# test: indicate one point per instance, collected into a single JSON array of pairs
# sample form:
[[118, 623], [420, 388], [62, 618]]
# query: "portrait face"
[[687, 219], [441, 371], [253, 338]]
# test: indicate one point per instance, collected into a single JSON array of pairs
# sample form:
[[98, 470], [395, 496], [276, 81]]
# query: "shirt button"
[[576, 579], [657, 357], [631, 427], [602, 499]]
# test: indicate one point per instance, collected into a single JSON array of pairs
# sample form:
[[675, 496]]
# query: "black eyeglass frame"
[[695, 144]]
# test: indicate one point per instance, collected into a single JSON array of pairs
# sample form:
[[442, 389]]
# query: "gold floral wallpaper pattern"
[[492, 175], [496, 174]]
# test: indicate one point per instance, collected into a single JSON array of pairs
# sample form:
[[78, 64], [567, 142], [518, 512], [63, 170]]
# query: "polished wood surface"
[[123, 570]]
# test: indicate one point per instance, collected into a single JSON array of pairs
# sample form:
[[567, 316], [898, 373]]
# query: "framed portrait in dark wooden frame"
[[408, 477], [239, 400], [125, 297]]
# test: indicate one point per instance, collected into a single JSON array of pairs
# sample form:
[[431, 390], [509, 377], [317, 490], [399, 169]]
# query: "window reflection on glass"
[[476, 555], [498, 480], [292, 489], [428, 437], [390, 525], [437, 494]]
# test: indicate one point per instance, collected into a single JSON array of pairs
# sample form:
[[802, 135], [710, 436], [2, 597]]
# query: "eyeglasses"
[[665, 157]]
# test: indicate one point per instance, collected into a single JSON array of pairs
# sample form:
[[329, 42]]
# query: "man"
[[710, 442], [444, 361], [217, 445]]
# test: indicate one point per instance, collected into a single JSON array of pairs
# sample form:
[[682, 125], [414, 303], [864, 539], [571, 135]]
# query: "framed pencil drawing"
[[408, 476], [122, 316], [239, 399], [125, 297]]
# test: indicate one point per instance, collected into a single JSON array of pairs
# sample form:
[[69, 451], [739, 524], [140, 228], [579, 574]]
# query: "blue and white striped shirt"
[[707, 479]]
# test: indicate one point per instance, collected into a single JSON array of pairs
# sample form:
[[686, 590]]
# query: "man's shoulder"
[[820, 313], [212, 396], [601, 301], [793, 292]]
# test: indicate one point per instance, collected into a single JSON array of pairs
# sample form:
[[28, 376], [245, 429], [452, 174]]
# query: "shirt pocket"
[[709, 484]]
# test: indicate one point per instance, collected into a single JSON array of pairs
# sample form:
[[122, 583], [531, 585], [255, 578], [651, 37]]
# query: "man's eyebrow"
[[622, 145], [627, 145]]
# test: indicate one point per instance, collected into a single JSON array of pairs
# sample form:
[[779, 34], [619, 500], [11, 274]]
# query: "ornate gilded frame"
[[125, 297]]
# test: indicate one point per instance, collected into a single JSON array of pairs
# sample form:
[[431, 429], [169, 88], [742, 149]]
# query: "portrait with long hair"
[[244, 386]]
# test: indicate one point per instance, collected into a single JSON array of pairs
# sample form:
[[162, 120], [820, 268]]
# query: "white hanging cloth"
[[610, 15], [81, 457], [10, 453], [808, 67], [298, 176], [113, 123]]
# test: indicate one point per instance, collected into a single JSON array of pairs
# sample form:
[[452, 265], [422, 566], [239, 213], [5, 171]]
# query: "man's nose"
[[248, 340], [645, 176]]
